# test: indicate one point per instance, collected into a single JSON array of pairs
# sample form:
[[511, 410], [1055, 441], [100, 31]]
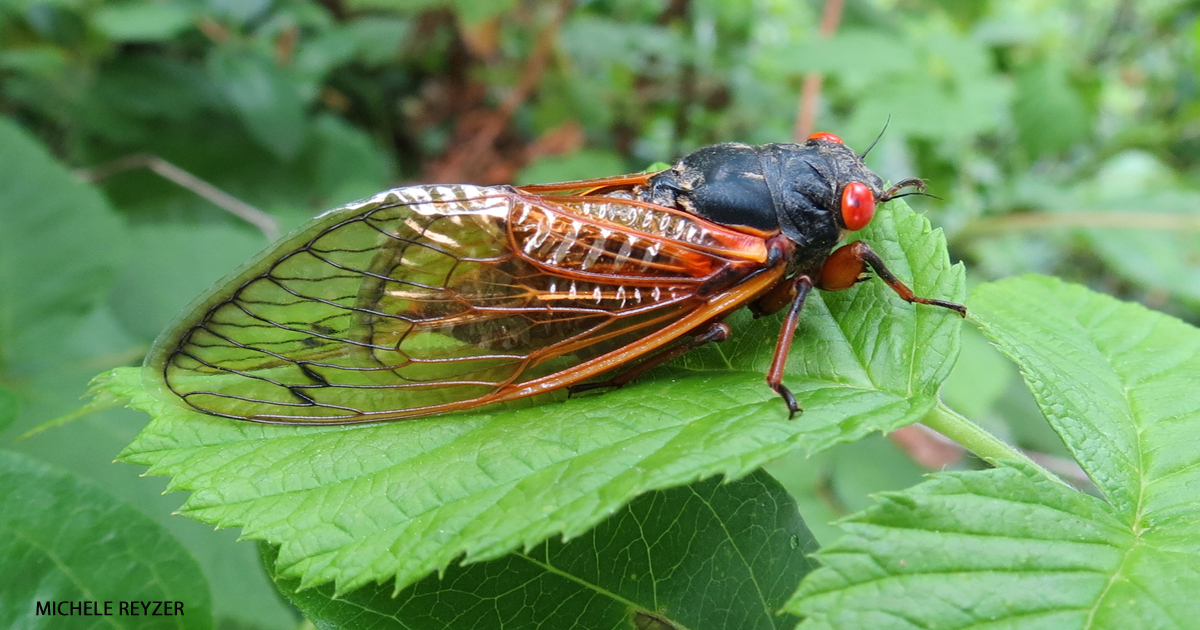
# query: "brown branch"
[[285, 46], [248, 213], [1047, 220], [213, 30], [928, 448], [933, 451], [810, 92], [531, 75], [336, 8]]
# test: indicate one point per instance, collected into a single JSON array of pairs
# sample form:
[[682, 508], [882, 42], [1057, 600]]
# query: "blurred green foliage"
[[1062, 136]]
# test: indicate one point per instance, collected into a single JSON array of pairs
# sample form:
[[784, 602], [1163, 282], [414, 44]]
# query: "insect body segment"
[[431, 299]]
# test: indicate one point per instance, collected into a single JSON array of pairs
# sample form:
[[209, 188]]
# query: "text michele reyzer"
[[88, 608]]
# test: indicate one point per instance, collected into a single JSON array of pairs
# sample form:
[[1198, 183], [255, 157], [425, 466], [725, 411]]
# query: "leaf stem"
[[974, 438], [1042, 220]]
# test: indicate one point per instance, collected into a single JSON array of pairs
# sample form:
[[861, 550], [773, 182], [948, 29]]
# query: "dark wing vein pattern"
[[433, 298]]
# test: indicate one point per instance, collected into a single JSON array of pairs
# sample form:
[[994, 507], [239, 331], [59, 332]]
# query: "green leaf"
[[41, 59], [579, 165], [1051, 116], [143, 22], [1011, 548], [979, 378], [378, 38], [59, 244], [397, 5], [425, 492], [1118, 383], [637, 567], [143, 92], [349, 165], [475, 11], [832, 484], [417, 495], [240, 11], [1137, 182], [597, 45], [175, 262], [854, 55], [868, 467], [9, 405], [950, 95], [65, 540], [241, 594], [999, 548], [472, 11], [265, 97], [1167, 260], [56, 21]]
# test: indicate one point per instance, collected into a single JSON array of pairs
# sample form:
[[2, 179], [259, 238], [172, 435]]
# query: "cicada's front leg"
[[846, 265]]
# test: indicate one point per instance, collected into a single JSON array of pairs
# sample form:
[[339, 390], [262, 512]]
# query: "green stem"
[[1083, 219], [974, 438]]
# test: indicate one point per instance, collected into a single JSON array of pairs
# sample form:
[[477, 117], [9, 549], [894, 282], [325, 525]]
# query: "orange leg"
[[775, 300], [842, 270], [845, 267], [783, 345]]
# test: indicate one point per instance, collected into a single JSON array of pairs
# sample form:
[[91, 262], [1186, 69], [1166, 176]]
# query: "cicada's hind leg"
[[845, 267], [715, 332], [799, 289]]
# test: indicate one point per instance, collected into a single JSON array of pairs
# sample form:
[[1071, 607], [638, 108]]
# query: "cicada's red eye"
[[826, 136], [858, 205]]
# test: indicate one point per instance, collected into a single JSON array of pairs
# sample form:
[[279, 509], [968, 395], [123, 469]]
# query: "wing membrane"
[[433, 298]]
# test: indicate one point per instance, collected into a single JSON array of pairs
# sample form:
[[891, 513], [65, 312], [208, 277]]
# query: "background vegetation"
[[1063, 137]]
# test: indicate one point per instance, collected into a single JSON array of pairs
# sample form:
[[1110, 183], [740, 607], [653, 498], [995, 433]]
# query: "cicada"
[[430, 299]]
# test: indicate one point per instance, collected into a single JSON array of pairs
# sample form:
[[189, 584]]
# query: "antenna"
[[863, 155]]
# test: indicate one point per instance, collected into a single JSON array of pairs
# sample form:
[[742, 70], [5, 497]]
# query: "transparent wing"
[[434, 298]]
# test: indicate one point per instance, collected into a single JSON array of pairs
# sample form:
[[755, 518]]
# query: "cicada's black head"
[[809, 191]]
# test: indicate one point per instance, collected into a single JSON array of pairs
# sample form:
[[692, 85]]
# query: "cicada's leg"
[[783, 345], [775, 300], [715, 332], [845, 267]]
